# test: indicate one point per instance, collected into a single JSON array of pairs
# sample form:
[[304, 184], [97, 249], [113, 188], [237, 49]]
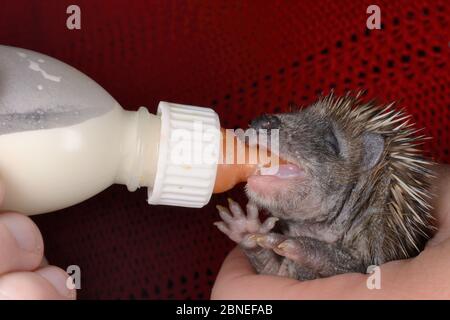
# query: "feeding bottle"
[[63, 139]]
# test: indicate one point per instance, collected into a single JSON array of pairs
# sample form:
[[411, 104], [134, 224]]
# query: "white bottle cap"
[[188, 156]]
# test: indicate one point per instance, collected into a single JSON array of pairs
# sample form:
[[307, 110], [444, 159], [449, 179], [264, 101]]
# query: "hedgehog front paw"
[[242, 228]]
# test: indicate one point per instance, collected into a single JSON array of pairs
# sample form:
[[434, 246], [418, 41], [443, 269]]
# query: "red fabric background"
[[242, 58]]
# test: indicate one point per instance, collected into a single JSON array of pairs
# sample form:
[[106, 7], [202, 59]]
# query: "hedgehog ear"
[[373, 146]]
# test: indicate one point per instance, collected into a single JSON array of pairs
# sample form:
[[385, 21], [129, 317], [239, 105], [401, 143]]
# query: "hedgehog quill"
[[355, 192]]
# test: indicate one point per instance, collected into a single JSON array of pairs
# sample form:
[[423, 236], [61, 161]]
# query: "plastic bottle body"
[[63, 138], [47, 170]]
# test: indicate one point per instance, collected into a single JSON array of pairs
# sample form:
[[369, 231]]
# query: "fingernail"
[[58, 278], [23, 230]]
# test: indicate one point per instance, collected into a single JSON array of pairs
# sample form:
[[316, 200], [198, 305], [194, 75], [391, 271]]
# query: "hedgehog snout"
[[266, 121]]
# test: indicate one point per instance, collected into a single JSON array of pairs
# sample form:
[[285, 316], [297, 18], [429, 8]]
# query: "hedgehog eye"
[[332, 142]]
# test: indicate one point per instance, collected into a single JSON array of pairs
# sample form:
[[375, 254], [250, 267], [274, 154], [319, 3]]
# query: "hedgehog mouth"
[[282, 171], [275, 176], [271, 179], [268, 182]]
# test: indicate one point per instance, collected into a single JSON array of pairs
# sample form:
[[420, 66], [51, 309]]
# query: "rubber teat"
[[231, 171]]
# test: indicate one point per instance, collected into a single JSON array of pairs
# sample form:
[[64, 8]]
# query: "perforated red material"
[[243, 58]]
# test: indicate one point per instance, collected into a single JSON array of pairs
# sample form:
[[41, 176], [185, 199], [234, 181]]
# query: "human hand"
[[426, 276], [24, 273]]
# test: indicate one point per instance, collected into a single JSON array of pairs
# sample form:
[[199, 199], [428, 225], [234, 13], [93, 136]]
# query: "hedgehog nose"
[[266, 121]]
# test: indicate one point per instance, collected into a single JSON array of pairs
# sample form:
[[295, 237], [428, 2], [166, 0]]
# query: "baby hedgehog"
[[355, 192]]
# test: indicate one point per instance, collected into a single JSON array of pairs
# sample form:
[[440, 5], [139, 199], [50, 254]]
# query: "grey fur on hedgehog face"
[[332, 158]]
